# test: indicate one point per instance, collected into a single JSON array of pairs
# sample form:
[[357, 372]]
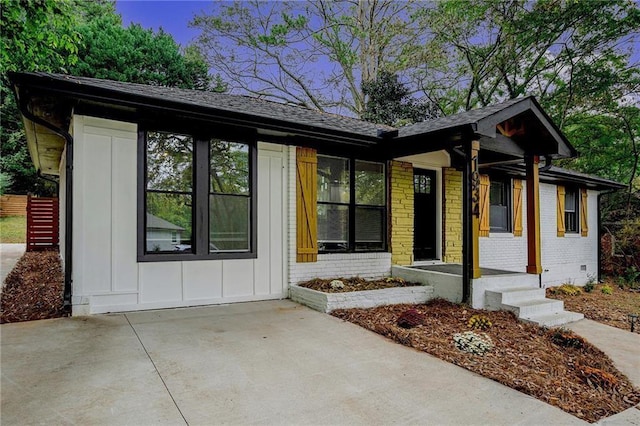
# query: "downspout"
[[68, 261]]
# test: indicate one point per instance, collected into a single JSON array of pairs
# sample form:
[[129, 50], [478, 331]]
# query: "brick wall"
[[401, 220], [452, 215], [365, 265]]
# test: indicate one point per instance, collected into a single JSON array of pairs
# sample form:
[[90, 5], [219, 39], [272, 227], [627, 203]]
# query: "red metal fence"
[[43, 224]]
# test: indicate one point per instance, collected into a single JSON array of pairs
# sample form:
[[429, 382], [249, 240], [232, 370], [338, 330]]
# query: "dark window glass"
[[333, 227], [499, 209], [333, 179], [169, 183], [198, 197], [421, 184], [351, 190], [571, 210], [229, 197]]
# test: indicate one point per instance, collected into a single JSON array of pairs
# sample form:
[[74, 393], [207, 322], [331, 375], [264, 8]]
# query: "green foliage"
[[5, 182], [590, 284], [606, 289], [389, 101], [137, 55], [83, 38]]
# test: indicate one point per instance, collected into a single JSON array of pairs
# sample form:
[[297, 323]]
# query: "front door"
[[424, 214]]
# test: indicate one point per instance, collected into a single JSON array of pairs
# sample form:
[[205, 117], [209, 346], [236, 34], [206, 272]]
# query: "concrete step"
[[529, 308], [495, 298], [554, 320]]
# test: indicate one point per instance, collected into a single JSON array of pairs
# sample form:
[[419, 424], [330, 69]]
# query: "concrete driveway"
[[264, 363], [9, 255]]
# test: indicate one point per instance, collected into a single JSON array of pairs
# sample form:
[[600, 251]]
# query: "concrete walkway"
[[9, 255], [623, 347], [265, 362]]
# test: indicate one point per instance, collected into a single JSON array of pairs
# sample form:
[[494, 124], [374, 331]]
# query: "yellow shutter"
[[306, 205], [584, 225], [484, 205], [560, 213], [517, 207]]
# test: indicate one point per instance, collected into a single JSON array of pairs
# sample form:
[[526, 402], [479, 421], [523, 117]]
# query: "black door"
[[424, 214]]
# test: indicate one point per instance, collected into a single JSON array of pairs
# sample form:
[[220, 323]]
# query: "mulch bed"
[[355, 284], [33, 289], [579, 379], [611, 309]]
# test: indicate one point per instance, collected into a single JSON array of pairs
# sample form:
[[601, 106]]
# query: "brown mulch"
[[580, 380], [611, 309], [33, 289], [355, 284]]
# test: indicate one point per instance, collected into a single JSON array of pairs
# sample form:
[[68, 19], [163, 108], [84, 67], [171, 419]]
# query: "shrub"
[[605, 289], [591, 283], [410, 319], [566, 338], [473, 343], [479, 322], [567, 289]]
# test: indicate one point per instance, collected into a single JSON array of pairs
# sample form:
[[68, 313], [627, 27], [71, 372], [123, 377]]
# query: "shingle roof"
[[460, 119], [156, 223], [238, 104]]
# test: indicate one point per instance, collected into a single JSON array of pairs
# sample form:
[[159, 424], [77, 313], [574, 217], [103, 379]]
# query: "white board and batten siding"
[[106, 274]]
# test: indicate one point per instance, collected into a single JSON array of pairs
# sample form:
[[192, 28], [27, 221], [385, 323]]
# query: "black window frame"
[[575, 212], [507, 195], [352, 205], [200, 193]]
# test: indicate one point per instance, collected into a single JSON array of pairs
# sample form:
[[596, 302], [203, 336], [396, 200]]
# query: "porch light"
[[632, 319]]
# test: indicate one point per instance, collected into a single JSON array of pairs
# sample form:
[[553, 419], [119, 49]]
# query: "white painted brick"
[[561, 256]]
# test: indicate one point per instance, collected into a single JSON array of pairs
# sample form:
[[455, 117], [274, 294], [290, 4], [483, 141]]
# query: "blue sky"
[[173, 16]]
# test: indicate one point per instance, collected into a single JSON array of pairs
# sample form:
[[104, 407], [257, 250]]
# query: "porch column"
[[534, 263], [475, 210], [470, 219]]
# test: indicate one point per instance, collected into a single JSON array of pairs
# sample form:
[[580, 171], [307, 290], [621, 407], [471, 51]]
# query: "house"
[[276, 194], [163, 235]]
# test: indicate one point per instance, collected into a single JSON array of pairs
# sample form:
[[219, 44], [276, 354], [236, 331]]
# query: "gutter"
[[68, 240]]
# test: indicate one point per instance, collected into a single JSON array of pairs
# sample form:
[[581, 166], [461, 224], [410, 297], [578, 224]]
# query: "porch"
[[517, 292]]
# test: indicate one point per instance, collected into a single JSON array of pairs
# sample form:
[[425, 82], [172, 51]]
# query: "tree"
[[36, 36], [87, 39], [136, 55], [316, 55], [389, 102], [565, 53]]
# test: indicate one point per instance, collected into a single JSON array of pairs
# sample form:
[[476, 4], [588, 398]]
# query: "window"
[[571, 210], [351, 205], [500, 205], [197, 196]]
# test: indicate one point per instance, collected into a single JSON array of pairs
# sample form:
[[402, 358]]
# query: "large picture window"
[[351, 205], [198, 197]]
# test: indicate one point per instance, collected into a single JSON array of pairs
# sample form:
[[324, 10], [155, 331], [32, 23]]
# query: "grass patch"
[[13, 229]]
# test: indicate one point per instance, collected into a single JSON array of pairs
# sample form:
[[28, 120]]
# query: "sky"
[[173, 16]]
